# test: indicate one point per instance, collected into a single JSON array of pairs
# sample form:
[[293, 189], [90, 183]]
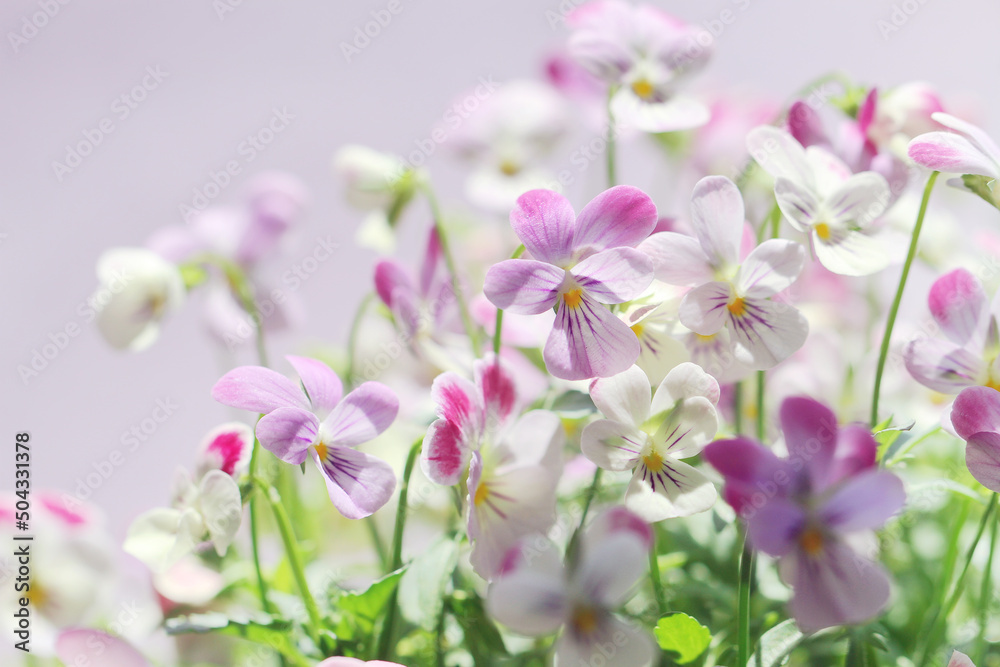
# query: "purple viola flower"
[[579, 263], [976, 418], [315, 419], [809, 509], [967, 356]]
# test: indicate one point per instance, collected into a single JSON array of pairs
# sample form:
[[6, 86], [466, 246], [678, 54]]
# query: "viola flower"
[[85, 646], [651, 436], [315, 420], [808, 509], [819, 195], [536, 595], [968, 356], [730, 295], [967, 150], [904, 111], [647, 53], [959, 659], [976, 418], [578, 263], [513, 466], [655, 324], [206, 505], [138, 290]]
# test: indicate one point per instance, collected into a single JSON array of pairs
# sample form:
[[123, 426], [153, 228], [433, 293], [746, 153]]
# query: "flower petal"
[[767, 332], [523, 286], [544, 221], [861, 199], [684, 381], [675, 490], [780, 155], [688, 430], [866, 501], [776, 526], [850, 252], [679, 112], [856, 452], [717, 216], [221, 507], [677, 259], [953, 153], [943, 366], [588, 341], [460, 402], [498, 389], [607, 571], [959, 306], [288, 433], [810, 430], [359, 484], [392, 279], [982, 455], [798, 203], [771, 268], [612, 445], [976, 409], [620, 216], [320, 381], [624, 397], [362, 415], [96, 647], [959, 659], [753, 474], [444, 455], [529, 602], [615, 275], [703, 309], [258, 389], [537, 438], [627, 645]]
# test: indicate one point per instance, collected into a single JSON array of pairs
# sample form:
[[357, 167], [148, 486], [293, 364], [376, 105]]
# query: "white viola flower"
[[730, 294], [138, 290], [655, 325], [820, 196], [536, 594], [650, 437]]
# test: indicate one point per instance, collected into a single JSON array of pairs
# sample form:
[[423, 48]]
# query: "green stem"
[[456, 287], [743, 613], [761, 424], [352, 339], [986, 596], [498, 328], [654, 575], [377, 542], [910, 254], [388, 627], [294, 557], [254, 533]]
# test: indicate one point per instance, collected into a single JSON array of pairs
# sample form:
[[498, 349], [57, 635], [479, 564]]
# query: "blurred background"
[[199, 78]]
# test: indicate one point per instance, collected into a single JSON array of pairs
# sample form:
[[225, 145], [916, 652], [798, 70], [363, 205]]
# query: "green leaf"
[[574, 403], [887, 437], [359, 611], [261, 629], [482, 639], [683, 635], [422, 588], [984, 186], [776, 644]]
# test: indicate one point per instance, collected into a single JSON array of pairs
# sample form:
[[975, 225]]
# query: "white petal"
[[530, 602], [767, 333], [798, 203], [717, 215], [537, 438], [608, 572], [615, 642], [162, 536], [624, 397], [678, 259], [703, 309], [222, 508], [780, 155], [686, 380], [771, 267], [677, 490], [677, 113], [851, 253], [612, 445]]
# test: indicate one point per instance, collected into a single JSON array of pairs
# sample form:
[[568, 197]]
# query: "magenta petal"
[[837, 587], [96, 647], [615, 275], [544, 221], [865, 501], [391, 277], [322, 384], [982, 455], [810, 430], [359, 484], [523, 286], [258, 389], [588, 341], [287, 433], [950, 152], [460, 402], [499, 392], [432, 260], [362, 415], [977, 409], [620, 216], [444, 454], [806, 126], [958, 304], [753, 473], [855, 452], [775, 527]]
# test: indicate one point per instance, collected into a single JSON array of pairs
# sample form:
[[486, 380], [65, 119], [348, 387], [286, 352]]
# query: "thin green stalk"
[[498, 327], [986, 596], [942, 617], [352, 339], [294, 557], [894, 310], [611, 150], [389, 626], [377, 542], [254, 533], [654, 575], [761, 423], [743, 599], [456, 287]]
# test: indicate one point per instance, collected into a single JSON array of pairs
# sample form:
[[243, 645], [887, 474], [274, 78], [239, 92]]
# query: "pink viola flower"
[[729, 294], [904, 111], [968, 355], [808, 510], [959, 659], [314, 419], [965, 150], [513, 463], [645, 53], [650, 437], [537, 595], [577, 264], [819, 195], [976, 418]]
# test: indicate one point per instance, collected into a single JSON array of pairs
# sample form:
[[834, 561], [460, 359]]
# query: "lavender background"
[[225, 74]]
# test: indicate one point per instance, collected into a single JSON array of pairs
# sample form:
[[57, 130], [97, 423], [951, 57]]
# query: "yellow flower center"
[[653, 462], [573, 298], [811, 541], [584, 620], [643, 88], [992, 383], [704, 339], [737, 307], [637, 330], [482, 494], [509, 168], [321, 449], [822, 231]]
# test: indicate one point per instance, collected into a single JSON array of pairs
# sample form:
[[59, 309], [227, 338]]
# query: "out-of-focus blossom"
[[506, 140], [84, 646], [354, 662], [904, 111], [315, 419], [646, 53], [729, 294], [976, 418], [138, 290], [966, 150], [819, 195], [577, 264], [650, 437], [655, 325], [536, 594], [808, 510], [206, 505], [968, 354], [959, 659]]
